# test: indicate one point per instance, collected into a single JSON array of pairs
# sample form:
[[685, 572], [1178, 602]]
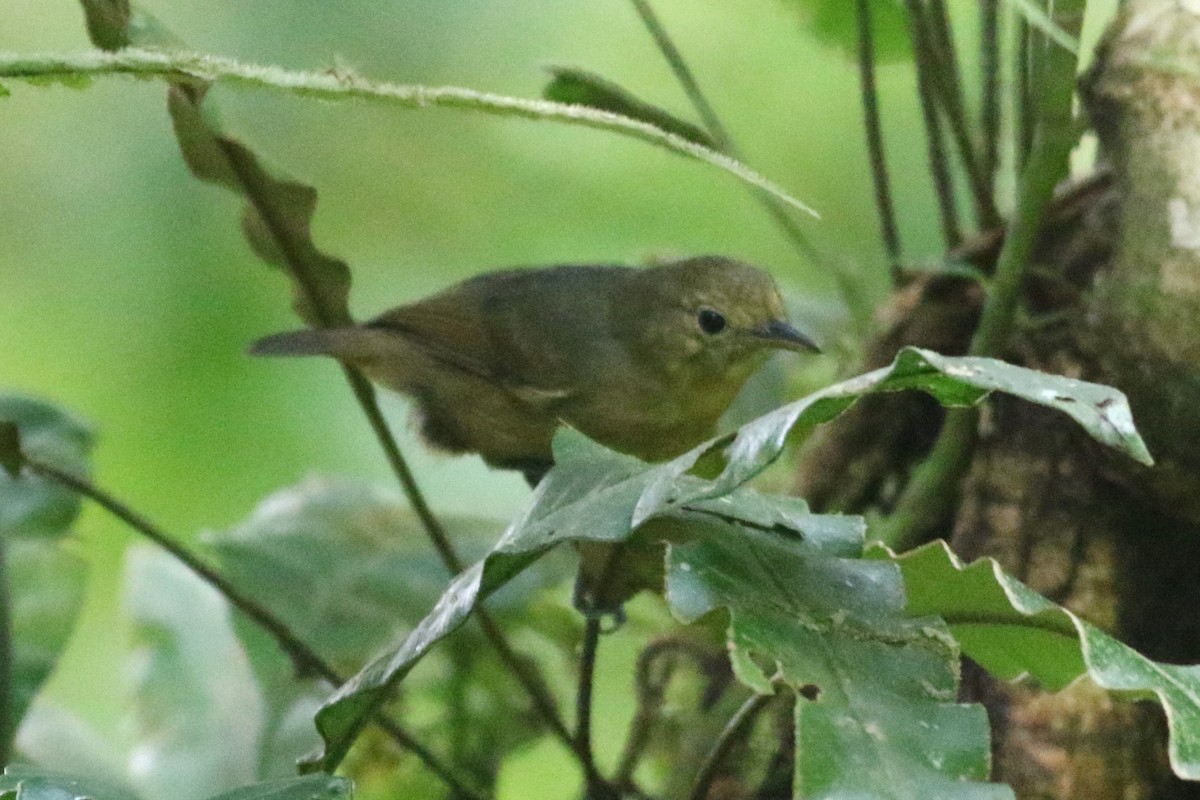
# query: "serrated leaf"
[[307, 787], [277, 221], [596, 495], [878, 716], [196, 709], [1012, 630], [30, 783], [576, 86], [45, 582]]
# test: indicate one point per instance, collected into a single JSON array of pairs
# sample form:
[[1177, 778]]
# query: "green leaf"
[[877, 716], [31, 506], [954, 381], [108, 23], [308, 787], [1011, 630], [45, 581], [834, 23], [29, 783], [344, 564], [575, 86], [189, 666], [596, 495]]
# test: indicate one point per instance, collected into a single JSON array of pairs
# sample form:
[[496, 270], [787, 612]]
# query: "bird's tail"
[[347, 344]]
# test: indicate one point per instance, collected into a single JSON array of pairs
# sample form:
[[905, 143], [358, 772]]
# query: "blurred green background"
[[128, 295]]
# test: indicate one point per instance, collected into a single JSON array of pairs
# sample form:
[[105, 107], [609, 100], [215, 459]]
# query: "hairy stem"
[[184, 67], [306, 660], [874, 130]]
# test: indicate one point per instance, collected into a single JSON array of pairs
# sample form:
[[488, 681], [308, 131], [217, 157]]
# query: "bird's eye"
[[711, 322]]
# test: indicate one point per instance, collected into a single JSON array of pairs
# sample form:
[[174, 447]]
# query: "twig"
[[871, 122], [939, 167], [655, 668], [737, 725], [989, 65], [1024, 98], [183, 67], [947, 77], [684, 75], [305, 659], [847, 286]]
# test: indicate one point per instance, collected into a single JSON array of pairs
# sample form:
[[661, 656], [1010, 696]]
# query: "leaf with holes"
[[876, 714], [1011, 630]]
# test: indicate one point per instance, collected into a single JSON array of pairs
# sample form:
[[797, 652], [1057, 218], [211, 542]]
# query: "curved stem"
[[305, 659], [191, 67], [733, 731], [583, 700]]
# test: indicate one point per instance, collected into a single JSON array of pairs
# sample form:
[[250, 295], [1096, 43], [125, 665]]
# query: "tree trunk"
[[1113, 296]]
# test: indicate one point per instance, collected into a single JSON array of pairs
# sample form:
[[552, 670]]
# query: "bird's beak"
[[781, 334]]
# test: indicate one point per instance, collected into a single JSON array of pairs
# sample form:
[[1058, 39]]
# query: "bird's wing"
[[454, 333]]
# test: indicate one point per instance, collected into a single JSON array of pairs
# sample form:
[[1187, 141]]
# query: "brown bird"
[[644, 361]]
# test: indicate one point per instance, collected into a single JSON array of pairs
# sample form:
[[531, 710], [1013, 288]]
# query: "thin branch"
[[340, 85], [939, 166], [874, 130], [365, 395], [989, 65], [684, 75], [947, 77], [737, 726], [307, 662], [1024, 97], [847, 284]]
